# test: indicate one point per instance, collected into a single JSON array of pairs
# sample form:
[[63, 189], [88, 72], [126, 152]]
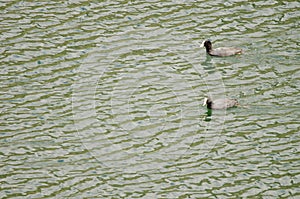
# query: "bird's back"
[[224, 103], [225, 51]]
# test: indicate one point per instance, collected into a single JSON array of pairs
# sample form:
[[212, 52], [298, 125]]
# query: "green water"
[[104, 100]]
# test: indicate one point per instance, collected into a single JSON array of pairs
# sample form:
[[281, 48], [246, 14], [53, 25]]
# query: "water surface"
[[104, 100]]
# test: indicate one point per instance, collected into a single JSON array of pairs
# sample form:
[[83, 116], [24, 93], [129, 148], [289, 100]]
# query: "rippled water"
[[104, 100]]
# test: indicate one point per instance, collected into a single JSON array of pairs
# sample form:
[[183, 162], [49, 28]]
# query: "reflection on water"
[[208, 115], [103, 99]]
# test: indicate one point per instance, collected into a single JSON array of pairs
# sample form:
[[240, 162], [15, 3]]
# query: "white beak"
[[202, 44], [205, 100]]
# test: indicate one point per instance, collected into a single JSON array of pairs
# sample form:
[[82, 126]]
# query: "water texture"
[[103, 99]]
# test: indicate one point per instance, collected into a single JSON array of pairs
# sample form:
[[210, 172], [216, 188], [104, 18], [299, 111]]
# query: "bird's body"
[[220, 103], [222, 51]]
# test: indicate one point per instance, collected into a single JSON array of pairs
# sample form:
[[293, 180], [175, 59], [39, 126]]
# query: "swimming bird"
[[220, 103], [222, 51]]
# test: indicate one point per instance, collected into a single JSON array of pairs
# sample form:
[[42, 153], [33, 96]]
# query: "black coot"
[[220, 103], [221, 52]]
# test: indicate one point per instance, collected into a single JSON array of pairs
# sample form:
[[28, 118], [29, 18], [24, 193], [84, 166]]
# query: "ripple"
[[104, 99]]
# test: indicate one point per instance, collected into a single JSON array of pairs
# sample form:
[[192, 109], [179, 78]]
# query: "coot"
[[221, 52], [220, 103]]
